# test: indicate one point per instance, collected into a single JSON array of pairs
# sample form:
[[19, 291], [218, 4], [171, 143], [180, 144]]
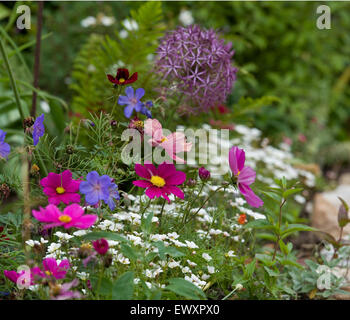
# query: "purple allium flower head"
[[97, 188], [38, 129], [4, 147], [131, 100], [198, 63]]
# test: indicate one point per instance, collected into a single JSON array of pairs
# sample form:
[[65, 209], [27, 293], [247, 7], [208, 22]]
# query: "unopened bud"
[[204, 174]]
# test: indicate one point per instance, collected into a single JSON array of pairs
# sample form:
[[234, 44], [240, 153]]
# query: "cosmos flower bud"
[[343, 218], [204, 174], [4, 191], [191, 182], [101, 246]]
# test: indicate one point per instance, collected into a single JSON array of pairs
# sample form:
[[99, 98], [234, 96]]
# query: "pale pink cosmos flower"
[[172, 144], [245, 176], [71, 217], [64, 292]]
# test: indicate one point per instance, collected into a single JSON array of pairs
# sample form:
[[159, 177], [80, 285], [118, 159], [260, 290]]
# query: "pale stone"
[[325, 212]]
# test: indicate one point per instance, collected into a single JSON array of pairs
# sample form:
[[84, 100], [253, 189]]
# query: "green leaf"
[[123, 287], [283, 247], [95, 235], [185, 289], [290, 192], [146, 223], [272, 196], [128, 251], [292, 228], [284, 182], [250, 268], [161, 249], [259, 224], [171, 251], [271, 272]]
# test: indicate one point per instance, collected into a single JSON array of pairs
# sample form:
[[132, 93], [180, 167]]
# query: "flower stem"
[[161, 215], [12, 80], [279, 229]]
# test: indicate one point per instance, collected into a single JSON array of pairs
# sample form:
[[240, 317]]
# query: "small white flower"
[[211, 269], [191, 263], [230, 253], [32, 243], [80, 233], [82, 275], [173, 264], [206, 256], [107, 21], [123, 34], [130, 24], [186, 17], [239, 287], [88, 21], [45, 106], [53, 247], [191, 244], [205, 276]]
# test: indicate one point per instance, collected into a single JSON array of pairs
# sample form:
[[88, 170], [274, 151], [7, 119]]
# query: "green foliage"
[[102, 55]]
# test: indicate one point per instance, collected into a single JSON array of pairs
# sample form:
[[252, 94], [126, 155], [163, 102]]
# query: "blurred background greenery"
[[279, 51]]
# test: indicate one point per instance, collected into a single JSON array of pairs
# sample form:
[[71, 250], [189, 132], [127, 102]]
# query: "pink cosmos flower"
[[13, 276], [61, 188], [161, 181], [245, 176], [71, 217], [52, 269], [64, 292], [172, 144]]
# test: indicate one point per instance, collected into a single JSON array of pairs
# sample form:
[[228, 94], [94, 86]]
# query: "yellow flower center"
[[238, 173], [60, 190], [158, 181], [138, 124], [48, 273], [64, 218], [121, 80], [164, 139]]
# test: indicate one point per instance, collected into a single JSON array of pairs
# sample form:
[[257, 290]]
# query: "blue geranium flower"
[[131, 100], [38, 129], [97, 188], [145, 109], [4, 147], [113, 194]]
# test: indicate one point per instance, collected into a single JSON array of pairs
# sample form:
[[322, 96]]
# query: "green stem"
[[12, 80], [143, 211], [42, 164], [161, 215], [206, 200], [279, 229]]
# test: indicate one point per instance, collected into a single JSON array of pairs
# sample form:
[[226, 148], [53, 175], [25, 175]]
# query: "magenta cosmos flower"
[[244, 176], [161, 181], [101, 246], [52, 269], [61, 188], [25, 279], [71, 217]]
